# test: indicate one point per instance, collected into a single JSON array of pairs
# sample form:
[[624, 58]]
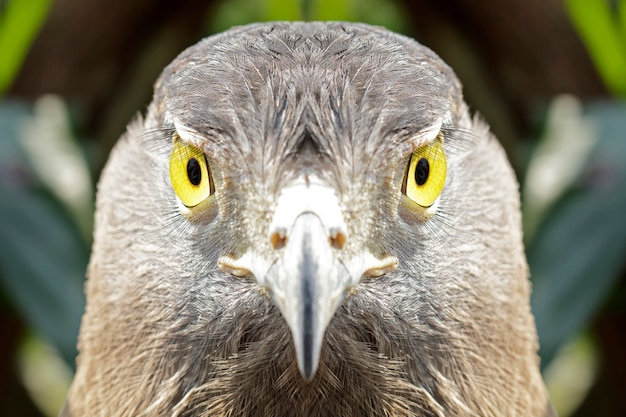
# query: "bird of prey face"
[[308, 222]]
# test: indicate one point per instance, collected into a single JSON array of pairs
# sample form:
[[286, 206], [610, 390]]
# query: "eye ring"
[[190, 174], [426, 174]]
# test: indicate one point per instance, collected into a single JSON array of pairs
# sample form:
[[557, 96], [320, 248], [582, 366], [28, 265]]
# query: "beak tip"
[[308, 366], [308, 372], [308, 354]]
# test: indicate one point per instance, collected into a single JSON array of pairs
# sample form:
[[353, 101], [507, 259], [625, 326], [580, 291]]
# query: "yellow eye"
[[426, 174], [190, 175]]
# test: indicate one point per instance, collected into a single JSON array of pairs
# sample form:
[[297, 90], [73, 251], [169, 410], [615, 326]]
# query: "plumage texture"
[[168, 333]]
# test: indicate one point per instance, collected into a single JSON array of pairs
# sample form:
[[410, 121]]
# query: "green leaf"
[[577, 254], [19, 24], [621, 9], [43, 263], [600, 31]]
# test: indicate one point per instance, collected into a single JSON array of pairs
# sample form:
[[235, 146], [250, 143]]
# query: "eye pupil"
[[194, 173], [421, 171]]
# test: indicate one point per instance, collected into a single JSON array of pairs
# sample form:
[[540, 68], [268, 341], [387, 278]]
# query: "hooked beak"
[[308, 274], [308, 283]]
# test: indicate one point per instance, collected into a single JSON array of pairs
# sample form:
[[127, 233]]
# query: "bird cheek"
[[412, 213]]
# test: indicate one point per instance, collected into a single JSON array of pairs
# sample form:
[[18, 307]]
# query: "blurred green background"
[[548, 75]]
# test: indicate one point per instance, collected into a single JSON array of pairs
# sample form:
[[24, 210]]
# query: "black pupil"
[[194, 173], [421, 171]]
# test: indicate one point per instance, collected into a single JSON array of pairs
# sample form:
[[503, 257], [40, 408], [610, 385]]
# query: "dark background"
[[548, 75]]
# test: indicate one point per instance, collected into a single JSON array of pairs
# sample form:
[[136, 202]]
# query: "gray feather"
[[448, 333]]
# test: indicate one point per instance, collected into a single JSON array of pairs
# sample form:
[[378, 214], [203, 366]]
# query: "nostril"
[[337, 239], [278, 239]]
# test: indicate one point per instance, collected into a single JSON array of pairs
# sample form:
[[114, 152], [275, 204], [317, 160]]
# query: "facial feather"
[[445, 331]]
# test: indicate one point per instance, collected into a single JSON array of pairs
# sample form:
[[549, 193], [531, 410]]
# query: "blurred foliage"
[[577, 254], [239, 12], [602, 26], [574, 195], [20, 21], [44, 255]]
